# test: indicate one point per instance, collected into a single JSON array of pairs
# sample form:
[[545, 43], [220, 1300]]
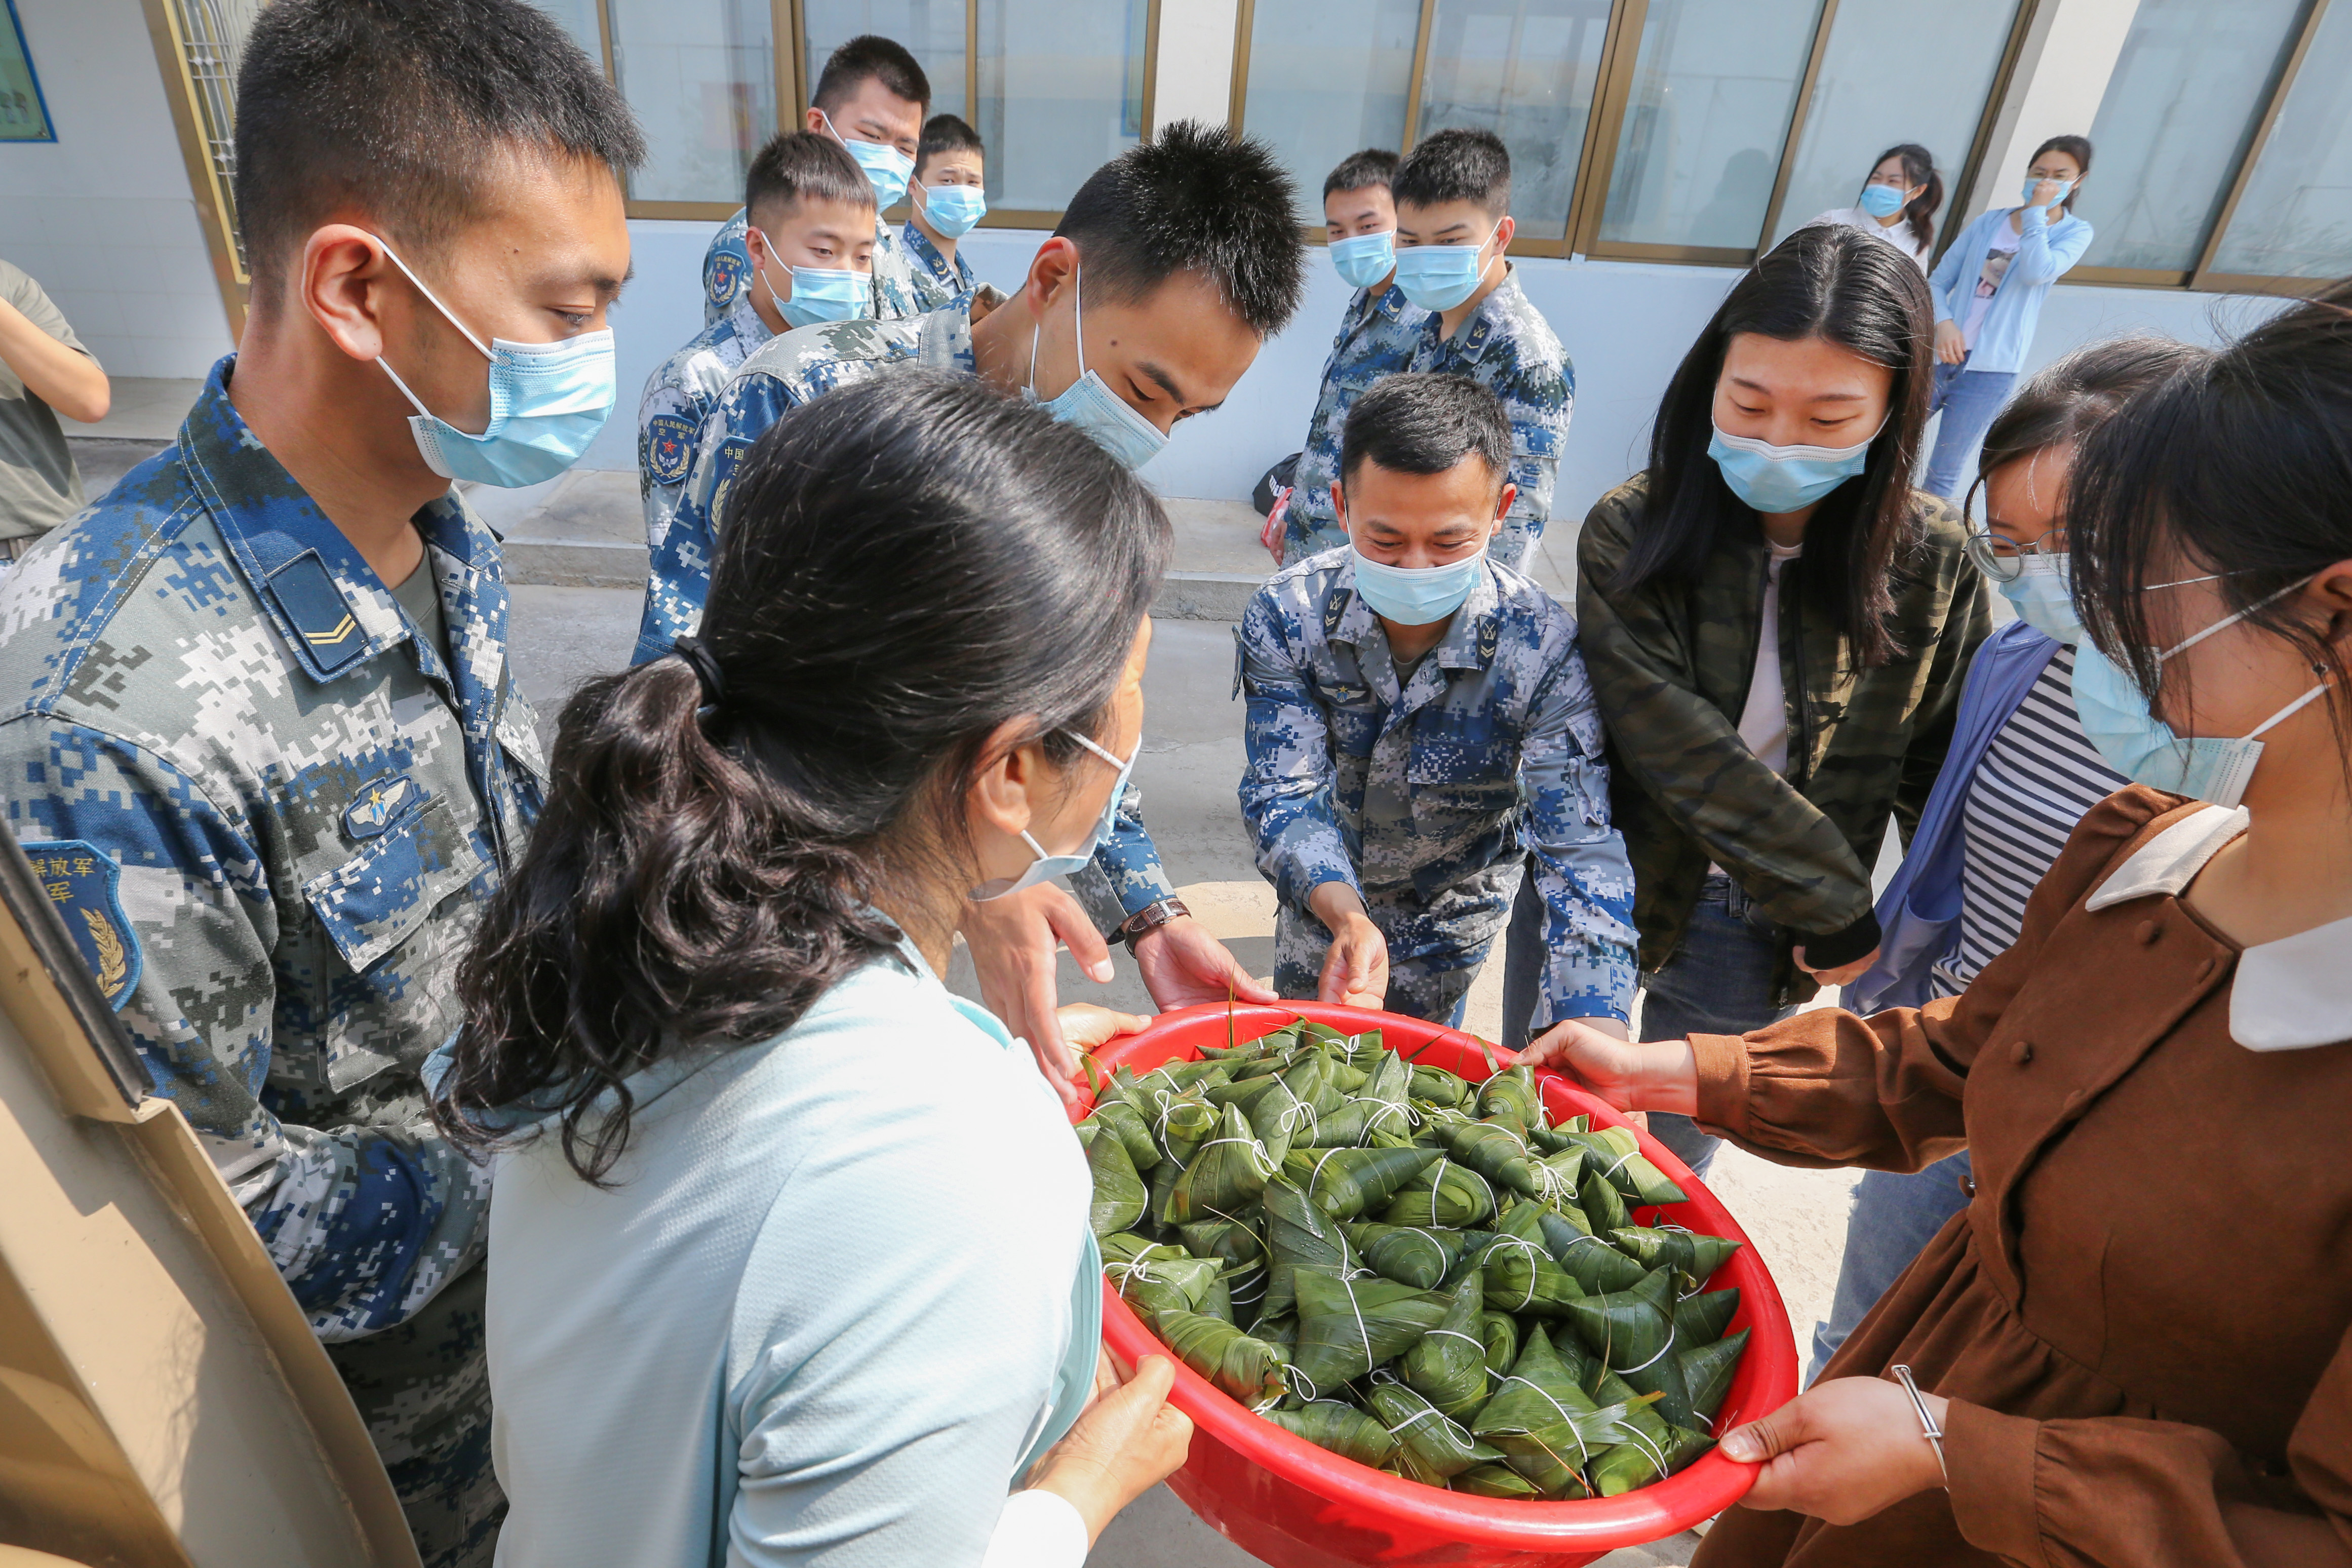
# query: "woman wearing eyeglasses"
[[2020, 774]]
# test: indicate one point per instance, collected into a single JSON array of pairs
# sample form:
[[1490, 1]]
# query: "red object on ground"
[[1294, 1505]]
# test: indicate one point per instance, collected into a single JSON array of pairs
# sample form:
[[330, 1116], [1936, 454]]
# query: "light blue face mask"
[[1088, 402], [1784, 479], [1416, 595], [2044, 597], [1363, 259], [1881, 201], [2065, 188], [1440, 277], [887, 170], [1045, 865], [547, 403], [951, 210], [2145, 750]]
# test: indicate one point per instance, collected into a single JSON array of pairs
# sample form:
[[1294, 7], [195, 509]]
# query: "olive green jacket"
[[1671, 666]]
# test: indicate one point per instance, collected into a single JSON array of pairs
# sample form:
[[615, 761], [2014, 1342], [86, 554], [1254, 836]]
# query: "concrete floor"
[[1192, 758]]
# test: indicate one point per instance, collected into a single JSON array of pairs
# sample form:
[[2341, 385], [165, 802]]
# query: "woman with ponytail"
[[1898, 203], [790, 1258]]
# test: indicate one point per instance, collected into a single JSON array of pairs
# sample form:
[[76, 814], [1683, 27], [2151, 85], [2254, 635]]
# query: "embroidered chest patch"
[[378, 804], [85, 886]]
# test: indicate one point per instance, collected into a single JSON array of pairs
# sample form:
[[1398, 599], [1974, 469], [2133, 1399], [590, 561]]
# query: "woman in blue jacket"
[[2020, 774], [1988, 291]]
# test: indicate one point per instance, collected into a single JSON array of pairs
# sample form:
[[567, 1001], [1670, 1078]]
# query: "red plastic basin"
[[1294, 1505]]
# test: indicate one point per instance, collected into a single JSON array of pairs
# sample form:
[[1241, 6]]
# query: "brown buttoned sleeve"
[[1829, 1088]]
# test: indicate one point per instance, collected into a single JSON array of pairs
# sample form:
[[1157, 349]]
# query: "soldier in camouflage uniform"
[[1426, 785], [678, 396], [269, 752], [953, 160], [1454, 192]]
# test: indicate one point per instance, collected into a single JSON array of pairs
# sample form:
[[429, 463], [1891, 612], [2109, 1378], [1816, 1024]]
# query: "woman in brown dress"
[[2135, 1339]]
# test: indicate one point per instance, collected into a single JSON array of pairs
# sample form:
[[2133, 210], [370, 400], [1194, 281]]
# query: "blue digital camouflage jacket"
[[270, 812], [1378, 336], [1495, 744], [678, 396], [939, 283], [726, 272]]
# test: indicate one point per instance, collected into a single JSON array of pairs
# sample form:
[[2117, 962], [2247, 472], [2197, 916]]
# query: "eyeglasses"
[[2002, 558]]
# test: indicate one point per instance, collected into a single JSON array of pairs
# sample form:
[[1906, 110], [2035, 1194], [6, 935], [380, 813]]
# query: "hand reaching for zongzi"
[[1661, 1076], [1129, 1441]]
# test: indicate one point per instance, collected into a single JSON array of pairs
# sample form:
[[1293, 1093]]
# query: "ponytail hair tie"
[[705, 665]]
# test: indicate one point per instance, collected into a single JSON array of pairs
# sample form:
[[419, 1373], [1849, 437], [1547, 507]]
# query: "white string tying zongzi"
[[1582, 1453], [1630, 1371], [1539, 1255], [1457, 1334], [1262, 1159]]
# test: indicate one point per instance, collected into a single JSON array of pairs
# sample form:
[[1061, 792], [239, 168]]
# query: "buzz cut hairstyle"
[[947, 134], [1460, 165], [802, 166], [869, 56], [400, 115], [1422, 422], [1372, 167], [1194, 198]]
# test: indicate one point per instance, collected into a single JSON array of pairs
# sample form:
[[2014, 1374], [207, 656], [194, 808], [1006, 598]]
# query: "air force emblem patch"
[[378, 804], [724, 276], [669, 447], [86, 884]]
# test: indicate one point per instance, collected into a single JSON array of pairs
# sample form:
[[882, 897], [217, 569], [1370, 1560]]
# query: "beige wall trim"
[[204, 180]]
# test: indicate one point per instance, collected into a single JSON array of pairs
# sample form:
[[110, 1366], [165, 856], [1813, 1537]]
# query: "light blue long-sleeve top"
[[840, 1294], [2045, 253]]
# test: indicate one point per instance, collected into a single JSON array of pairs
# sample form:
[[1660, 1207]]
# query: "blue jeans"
[[1523, 962], [1719, 982], [1970, 399], [1894, 1216]]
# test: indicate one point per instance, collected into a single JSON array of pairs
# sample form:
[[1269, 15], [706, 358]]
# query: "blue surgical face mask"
[[1363, 259], [1784, 479], [819, 293], [953, 209], [887, 170], [1416, 595], [1440, 277], [1881, 201], [2025, 195], [2044, 593], [1045, 865], [1088, 402], [2145, 750], [547, 403]]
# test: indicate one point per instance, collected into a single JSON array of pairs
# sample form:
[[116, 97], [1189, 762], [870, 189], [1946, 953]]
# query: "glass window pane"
[[1327, 77], [578, 18], [932, 30], [1526, 70], [701, 74], [1714, 88], [2187, 93], [1061, 94], [1860, 108], [2295, 218]]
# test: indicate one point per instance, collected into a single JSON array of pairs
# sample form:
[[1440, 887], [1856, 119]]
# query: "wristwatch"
[[1150, 918]]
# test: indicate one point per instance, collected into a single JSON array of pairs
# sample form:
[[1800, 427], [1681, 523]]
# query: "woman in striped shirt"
[[2019, 775]]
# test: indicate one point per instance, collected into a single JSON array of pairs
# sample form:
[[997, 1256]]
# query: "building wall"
[[103, 216]]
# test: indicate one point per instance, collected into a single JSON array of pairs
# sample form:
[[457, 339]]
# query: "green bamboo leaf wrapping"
[[1627, 1327], [1410, 1255], [1182, 1123], [1158, 1286], [1521, 1279], [1584, 1368], [1497, 1481], [1700, 1320], [1512, 1093], [1447, 1365], [1689, 1253], [1299, 1235], [1472, 1259], [1435, 1086], [1443, 1448], [1345, 1183], [1242, 1251], [1346, 1327], [1640, 1461], [1228, 1171], [1708, 1370], [1119, 1194], [1178, 1078], [1125, 1247], [1605, 1207], [1496, 1150], [1287, 1110], [1590, 1260], [1500, 1334], [1132, 1131], [1545, 1423], [1342, 1428], [1446, 1196], [1248, 1368], [1616, 1153]]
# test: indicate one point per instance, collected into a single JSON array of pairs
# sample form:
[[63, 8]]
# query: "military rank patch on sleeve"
[[724, 276], [669, 447], [86, 884]]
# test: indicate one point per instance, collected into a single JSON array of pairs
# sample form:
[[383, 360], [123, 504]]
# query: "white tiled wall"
[[103, 217]]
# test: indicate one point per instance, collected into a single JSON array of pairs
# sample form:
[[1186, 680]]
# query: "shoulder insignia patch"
[[86, 884], [320, 617], [378, 804], [724, 276], [669, 448]]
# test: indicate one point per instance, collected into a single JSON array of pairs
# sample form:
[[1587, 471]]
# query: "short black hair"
[[1372, 167], [802, 165], [1418, 422], [1195, 197], [395, 112], [869, 56], [946, 133], [1459, 165]]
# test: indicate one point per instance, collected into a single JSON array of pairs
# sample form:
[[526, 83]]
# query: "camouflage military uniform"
[[269, 811], [678, 398], [1671, 668], [1377, 337], [1506, 346], [938, 283], [726, 272], [1429, 800]]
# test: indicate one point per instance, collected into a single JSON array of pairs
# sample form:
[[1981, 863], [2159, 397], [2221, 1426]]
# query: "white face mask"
[[1045, 865]]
